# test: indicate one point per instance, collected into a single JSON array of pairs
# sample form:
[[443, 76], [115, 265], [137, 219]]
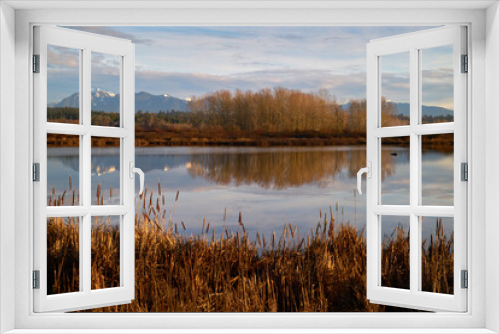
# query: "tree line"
[[278, 110], [284, 110]]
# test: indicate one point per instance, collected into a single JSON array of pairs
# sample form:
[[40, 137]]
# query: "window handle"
[[134, 170], [368, 171]]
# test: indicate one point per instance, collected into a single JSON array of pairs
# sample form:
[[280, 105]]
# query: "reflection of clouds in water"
[[105, 172], [98, 171], [443, 162], [402, 182], [437, 178]]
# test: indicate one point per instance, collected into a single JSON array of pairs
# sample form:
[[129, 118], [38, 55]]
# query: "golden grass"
[[324, 271]]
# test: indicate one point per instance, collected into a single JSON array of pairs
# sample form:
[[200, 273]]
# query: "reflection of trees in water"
[[283, 169]]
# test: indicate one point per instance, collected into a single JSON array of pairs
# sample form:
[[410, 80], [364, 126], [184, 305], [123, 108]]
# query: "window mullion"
[[414, 171], [86, 154]]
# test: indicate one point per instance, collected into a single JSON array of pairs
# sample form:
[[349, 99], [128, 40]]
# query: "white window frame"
[[484, 49], [85, 43], [413, 44]]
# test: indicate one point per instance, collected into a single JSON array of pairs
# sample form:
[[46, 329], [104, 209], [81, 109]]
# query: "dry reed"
[[324, 271]]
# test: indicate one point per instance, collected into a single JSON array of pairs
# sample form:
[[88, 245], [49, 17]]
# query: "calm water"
[[269, 186]]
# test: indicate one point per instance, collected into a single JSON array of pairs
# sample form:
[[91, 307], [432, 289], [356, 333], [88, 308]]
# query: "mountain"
[[404, 108], [109, 102], [154, 103]]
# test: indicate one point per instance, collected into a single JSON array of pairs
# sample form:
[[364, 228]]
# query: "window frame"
[[474, 19], [413, 44], [86, 44]]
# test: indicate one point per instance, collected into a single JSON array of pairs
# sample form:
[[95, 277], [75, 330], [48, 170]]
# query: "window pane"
[[395, 251], [437, 84], [395, 170], [395, 89], [63, 255], [105, 252], [105, 89], [437, 255], [437, 169], [63, 84], [105, 171], [63, 170]]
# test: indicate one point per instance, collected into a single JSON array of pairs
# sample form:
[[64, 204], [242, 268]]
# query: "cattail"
[[98, 193], [234, 273]]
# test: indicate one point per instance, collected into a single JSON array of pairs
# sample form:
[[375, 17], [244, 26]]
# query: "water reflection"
[[277, 169], [269, 186]]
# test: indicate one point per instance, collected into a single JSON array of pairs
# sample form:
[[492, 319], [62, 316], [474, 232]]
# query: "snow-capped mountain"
[[154, 103], [110, 102]]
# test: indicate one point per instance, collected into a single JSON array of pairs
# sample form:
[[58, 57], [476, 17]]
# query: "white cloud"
[[187, 84], [186, 61]]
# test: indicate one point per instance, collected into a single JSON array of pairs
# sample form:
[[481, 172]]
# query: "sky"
[[193, 61]]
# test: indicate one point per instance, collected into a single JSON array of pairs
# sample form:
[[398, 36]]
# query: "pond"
[[263, 188]]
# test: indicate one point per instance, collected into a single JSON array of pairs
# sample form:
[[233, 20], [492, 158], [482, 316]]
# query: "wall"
[[195, 16], [7, 158], [492, 148]]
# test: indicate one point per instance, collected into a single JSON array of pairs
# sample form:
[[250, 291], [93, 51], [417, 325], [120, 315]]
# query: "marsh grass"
[[176, 271]]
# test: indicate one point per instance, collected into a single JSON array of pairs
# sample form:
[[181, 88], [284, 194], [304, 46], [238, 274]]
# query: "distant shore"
[[196, 138], [143, 138], [442, 143]]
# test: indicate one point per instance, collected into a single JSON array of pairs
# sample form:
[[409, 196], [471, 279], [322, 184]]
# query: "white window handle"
[[134, 170], [368, 171]]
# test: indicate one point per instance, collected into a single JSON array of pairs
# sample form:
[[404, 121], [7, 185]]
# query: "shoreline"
[[170, 139], [144, 139]]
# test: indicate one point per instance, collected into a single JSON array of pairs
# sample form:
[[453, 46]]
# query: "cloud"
[[185, 61], [63, 70], [291, 36], [62, 58], [437, 88], [187, 84], [396, 87]]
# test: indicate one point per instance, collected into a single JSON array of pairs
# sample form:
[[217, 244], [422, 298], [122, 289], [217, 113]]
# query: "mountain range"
[[404, 109], [110, 102]]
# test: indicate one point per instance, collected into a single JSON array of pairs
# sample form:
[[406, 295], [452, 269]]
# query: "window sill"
[[248, 331]]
